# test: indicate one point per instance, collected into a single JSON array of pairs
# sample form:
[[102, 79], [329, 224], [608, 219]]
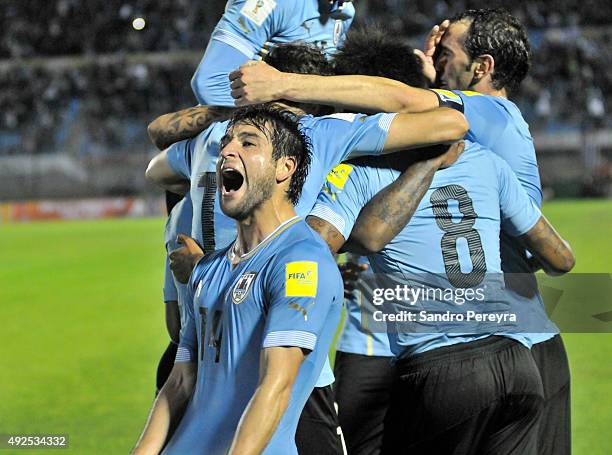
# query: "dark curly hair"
[[281, 128], [299, 57], [497, 33], [371, 51]]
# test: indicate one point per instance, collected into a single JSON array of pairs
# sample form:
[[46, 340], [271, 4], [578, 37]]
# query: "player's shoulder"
[[207, 141], [208, 261], [216, 130], [301, 241], [335, 119], [501, 104], [481, 158]]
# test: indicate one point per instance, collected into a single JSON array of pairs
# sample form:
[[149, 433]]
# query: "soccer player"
[[363, 369], [482, 55], [265, 308], [447, 398], [334, 139], [248, 28], [178, 222]]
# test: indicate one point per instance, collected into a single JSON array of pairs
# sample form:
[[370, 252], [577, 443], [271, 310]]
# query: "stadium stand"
[[78, 79]]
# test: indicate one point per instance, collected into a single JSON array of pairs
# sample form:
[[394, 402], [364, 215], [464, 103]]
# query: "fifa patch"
[[258, 10], [242, 287], [301, 279], [339, 175]]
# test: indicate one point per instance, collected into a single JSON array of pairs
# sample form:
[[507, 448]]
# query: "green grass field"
[[81, 317]]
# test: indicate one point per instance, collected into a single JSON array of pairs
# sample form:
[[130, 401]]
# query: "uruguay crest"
[[241, 289]]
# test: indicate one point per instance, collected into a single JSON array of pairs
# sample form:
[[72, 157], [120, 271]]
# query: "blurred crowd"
[[97, 107], [67, 27], [61, 27], [412, 17], [102, 100]]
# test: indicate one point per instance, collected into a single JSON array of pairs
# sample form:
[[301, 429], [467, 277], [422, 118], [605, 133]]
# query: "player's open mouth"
[[231, 180]]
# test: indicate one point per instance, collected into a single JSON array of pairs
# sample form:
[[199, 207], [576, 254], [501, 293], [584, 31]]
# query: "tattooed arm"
[[390, 210], [169, 128], [553, 254], [328, 232]]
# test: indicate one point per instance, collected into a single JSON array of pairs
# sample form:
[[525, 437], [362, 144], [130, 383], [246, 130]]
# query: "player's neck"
[[262, 222], [484, 86]]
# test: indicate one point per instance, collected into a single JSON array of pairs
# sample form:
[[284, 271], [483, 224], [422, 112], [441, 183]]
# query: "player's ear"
[[485, 65], [285, 167]]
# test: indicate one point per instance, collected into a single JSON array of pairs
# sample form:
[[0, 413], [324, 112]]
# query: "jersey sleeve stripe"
[[236, 42], [384, 122], [297, 338], [327, 214], [183, 354]]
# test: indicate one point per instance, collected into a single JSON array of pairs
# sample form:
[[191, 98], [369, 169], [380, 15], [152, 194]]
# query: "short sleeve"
[[347, 136], [518, 212], [247, 25], [302, 288], [344, 193], [179, 157], [449, 98], [188, 346], [210, 82]]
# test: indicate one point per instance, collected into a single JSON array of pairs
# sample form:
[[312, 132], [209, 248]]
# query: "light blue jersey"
[[356, 336], [334, 138], [247, 27], [454, 231], [285, 292], [178, 222], [496, 123]]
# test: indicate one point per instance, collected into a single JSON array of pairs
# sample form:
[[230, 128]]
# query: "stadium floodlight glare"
[[138, 23]]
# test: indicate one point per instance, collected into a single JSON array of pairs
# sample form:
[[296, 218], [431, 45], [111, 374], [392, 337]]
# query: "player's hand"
[[255, 82], [429, 49], [350, 272], [434, 37], [451, 155], [184, 259], [429, 70]]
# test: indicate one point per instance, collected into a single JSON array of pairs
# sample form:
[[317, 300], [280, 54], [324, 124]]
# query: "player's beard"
[[258, 193]]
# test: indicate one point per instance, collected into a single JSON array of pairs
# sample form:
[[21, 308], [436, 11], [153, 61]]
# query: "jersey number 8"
[[454, 231]]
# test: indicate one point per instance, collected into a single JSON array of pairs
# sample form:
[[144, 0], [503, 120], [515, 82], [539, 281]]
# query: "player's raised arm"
[[440, 125], [390, 210], [172, 127], [279, 368], [257, 82]]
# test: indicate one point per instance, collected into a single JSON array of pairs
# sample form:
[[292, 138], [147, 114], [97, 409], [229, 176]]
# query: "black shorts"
[[363, 389], [554, 432], [166, 363], [318, 429], [482, 397]]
